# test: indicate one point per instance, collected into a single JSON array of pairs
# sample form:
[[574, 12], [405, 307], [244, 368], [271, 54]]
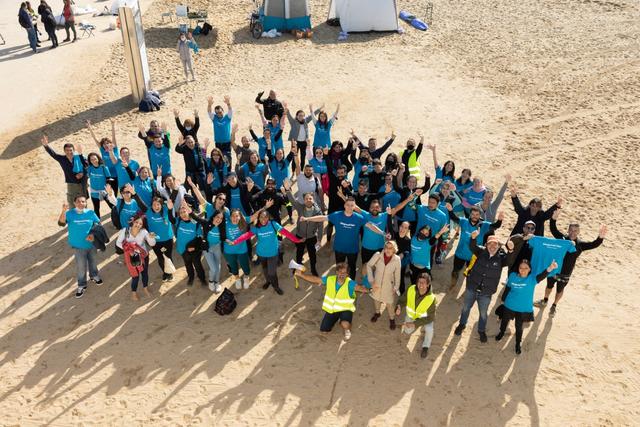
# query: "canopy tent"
[[365, 15], [286, 15]]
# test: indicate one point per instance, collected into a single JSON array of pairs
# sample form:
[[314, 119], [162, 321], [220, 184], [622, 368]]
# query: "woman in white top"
[[170, 189], [135, 242]]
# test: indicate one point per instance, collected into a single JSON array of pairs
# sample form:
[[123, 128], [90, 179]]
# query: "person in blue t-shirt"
[[279, 164], [221, 125], [107, 146], [159, 152], [263, 142], [159, 221], [347, 224], [432, 216], [217, 170], [189, 231], [463, 253], [80, 222], [275, 128], [98, 175], [421, 246], [518, 304], [323, 125], [446, 172], [144, 184], [463, 182], [213, 255], [124, 166], [128, 204], [255, 171], [473, 194]]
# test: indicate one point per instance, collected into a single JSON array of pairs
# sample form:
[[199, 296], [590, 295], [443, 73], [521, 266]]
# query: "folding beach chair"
[[87, 29]]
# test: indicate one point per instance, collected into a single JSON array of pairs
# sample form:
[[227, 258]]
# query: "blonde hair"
[[393, 244]]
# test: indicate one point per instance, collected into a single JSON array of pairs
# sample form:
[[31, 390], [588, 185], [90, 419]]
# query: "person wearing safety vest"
[[409, 157], [420, 310], [339, 299]]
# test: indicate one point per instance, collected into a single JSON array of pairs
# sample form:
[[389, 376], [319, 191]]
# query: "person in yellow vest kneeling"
[[339, 298], [420, 307]]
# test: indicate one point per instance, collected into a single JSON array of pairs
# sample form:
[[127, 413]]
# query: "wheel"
[[256, 31]]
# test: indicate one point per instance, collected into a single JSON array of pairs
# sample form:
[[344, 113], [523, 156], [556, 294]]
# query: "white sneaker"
[[318, 246], [212, 286], [80, 291], [218, 288], [238, 284], [245, 282], [347, 334]]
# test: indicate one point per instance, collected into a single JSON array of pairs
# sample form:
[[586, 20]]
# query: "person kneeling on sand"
[[420, 310], [339, 298]]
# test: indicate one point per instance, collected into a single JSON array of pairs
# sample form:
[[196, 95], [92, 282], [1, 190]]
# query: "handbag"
[[169, 268], [226, 303]]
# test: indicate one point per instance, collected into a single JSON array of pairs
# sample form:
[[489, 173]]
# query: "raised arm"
[[432, 147], [313, 115], [598, 241], [176, 115], [93, 135], [113, 132], [210, 106], [263, 120], [45, 143], [201, 200], [335, 114], [495, 204], [227, 101], [234, 130], [62, 218]]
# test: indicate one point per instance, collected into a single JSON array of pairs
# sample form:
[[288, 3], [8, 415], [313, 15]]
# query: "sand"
[[547, 91]]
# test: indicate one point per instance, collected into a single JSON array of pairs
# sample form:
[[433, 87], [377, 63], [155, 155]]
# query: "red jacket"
[[129, 248]]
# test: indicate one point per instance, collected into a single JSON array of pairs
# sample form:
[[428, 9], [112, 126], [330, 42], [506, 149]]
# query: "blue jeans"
[[86, 261], [470, 297], [214, 260], [31, 33]]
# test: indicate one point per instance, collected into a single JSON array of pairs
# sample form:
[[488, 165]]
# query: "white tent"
[[115, 4], [365, 15]]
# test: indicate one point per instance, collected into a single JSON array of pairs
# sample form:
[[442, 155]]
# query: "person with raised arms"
[[158, 150], [221, 125], [533, 212], [170, 189], [135, 241], [339, 298], [276, 129], [518, 304], [432, 216], [482, 281], [263, 142], [194, 162], [217, 170], [299, 131], [160, 219], [272, 107], [561, 279], [143, 183], [80, 222], [255, 170], [125, 166], [70, 161], [446, 172], [107, 147], [420, 310], [372, 145], [323, 125], [490, 204], [127, 205], [348, 224], [410, 158], [98, 175], [422, 244], [238, 194], [189, 127]]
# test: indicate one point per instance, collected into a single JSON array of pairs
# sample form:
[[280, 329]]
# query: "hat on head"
[[530, 223], [492, 239]]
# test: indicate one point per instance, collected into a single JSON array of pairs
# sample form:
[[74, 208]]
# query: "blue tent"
[[286, 15]]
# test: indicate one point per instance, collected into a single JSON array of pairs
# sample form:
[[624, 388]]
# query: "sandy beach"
[[547, 91]]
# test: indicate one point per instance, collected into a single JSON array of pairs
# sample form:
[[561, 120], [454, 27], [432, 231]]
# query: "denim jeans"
[[428, 331], [470, 297], [214, 260], [31, 34], [86, 261]]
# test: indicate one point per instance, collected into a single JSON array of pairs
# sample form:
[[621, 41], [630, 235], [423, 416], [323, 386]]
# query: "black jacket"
[[524, 215], [191, 132], [279, 200], [485, 274], [570, 259], [100, 237], [272, 107], [192, 163]]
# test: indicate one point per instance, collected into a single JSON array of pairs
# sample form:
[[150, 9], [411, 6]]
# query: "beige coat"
[[387, 277]]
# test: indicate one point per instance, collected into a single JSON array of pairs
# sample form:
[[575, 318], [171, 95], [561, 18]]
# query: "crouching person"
[[420, 308]]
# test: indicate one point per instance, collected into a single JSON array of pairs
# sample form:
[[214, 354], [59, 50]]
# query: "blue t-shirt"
[[144, 189], [357, 173], [520, 296], [97, 179], [186, 231], [208, 210], [322, 136], [128, 211], [440, 175], [121, 172], [160, 157], [347, 235], [257, 175], [236, 201], [474, 197], [390, 199], [213, 236], [221, 128], [436, 219], [410, 211], [421, 252], [107, 160], [546, 249], [463, 251], [159, 223], [262, 148], [79, 225], [352, 286], [370, 239], [267, 235], [319, 166], [275, 143], [279, 171], [233, 232], [460, 187], [219, 174]]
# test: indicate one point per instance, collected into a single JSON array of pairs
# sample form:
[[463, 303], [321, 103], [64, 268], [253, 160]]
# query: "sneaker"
[[278, 290], [80, 291], [169, 277], [212, 286], [499, 336], [164, 277], [265, 286], [347, 334], [190, 282], [375, 317], [540, 303], [97, 280], [256, 261], [483, 336], [518, 348], [459, 330], [218, 288], [238, 284], [66, 40], [438, 259], [552, 311], [245, 283], [424, 352], [392, 324]]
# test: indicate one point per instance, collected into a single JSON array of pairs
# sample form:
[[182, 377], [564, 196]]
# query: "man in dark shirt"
[[272, 107], [76, 182], [372, 146], [533, 212], [562, 279], [194, 164], [482, 281], [336, 201]]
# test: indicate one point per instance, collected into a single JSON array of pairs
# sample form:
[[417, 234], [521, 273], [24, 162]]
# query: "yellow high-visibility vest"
[[413, 164], [338, 301], [420, 311]]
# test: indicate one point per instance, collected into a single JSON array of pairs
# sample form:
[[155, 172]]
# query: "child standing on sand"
[[191, 42], [185, 56]]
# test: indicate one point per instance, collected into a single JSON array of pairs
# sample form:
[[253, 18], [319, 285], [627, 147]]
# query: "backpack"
[[206, 28], [226, 303], [115, 214], [145, 106]]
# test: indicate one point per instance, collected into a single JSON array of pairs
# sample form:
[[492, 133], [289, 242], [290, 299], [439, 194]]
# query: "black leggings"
[[193, 260], [53, 37], [96, 205], [367, 254], [302, 149], [144, 274], [310, 244], [519, 318], [351, 259], [270, 270], [167, 245]]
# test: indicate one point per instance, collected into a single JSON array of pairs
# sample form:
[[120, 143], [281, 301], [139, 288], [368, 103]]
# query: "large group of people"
[[237, 198], [28, 19]]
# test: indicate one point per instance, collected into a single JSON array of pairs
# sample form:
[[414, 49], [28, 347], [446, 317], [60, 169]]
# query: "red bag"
[[325, 183]]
